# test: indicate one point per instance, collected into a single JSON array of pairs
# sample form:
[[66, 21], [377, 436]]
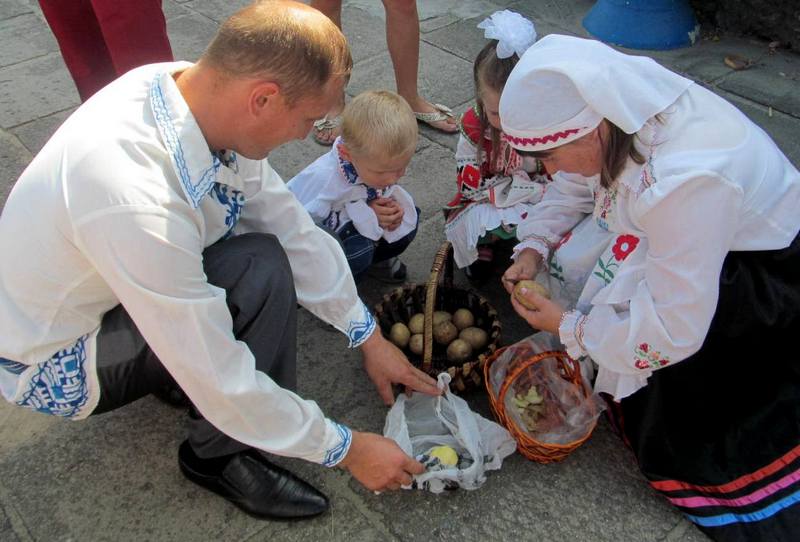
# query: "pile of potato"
[[455, 331]]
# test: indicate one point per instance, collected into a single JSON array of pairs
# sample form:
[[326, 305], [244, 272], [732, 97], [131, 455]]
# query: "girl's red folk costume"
[[496, 187]]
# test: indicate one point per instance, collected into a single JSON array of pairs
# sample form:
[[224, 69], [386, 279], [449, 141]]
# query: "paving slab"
[[173, 9], [774, 81], [15, 158], [216, 10], [189, 35], [366, 33], [443, 78], [782, 128], [465, 40], [33, 89], [566, 15], [25, 28], [34, 134], [14, 8]]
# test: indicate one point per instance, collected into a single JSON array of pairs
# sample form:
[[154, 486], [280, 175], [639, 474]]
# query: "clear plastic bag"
[[540, 401], [422, 423]]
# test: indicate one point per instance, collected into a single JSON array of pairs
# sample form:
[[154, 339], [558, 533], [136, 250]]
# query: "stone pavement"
[[115, 477]]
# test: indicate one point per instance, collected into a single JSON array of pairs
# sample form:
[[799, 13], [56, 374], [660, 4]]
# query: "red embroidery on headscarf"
[[549, 138]]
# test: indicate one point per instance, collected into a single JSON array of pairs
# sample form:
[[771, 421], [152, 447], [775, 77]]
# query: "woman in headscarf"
[[682, 285]]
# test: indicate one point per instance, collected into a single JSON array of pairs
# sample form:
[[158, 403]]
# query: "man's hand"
[[387, 365], [545, 317], [388, 212], [379, 463], [525, 268]]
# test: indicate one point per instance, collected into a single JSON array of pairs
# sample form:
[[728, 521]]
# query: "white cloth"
[[579, 80], [117, 208], [509, 199], [713, 182], [333, 194]]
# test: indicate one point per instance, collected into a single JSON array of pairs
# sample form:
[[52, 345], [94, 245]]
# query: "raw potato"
[[459, 350], [463, 319], [417, 323], [441, 316], [533, 286], [400, 334], [415, 344], [475, 336], [444, 333]]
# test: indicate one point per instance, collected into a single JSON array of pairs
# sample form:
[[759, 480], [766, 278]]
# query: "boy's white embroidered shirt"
[[117, 208], [334, 196]]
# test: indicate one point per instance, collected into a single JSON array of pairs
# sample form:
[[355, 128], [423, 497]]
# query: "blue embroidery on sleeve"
[[337, 453], [13, 367], [59, 386], [358, 332]]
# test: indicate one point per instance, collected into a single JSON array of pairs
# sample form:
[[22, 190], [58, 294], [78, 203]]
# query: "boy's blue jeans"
[[361, 252]]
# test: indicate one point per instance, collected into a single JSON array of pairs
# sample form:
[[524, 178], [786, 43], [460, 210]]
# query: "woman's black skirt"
[[718, 434]]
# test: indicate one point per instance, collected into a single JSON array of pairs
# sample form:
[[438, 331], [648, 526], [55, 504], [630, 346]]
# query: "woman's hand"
[[525, 268], [545, 316]]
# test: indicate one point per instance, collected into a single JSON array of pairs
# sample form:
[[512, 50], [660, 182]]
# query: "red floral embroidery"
[[645, 358], [624, 246]]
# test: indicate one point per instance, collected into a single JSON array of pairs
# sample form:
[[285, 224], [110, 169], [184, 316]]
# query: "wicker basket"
[[440, 294], [517, 375]]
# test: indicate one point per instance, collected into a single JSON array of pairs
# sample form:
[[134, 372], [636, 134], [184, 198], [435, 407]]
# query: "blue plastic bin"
[[643, 24]]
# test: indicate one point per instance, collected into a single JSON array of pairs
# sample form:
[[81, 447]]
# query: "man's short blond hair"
[[290, 43], [379, 124]]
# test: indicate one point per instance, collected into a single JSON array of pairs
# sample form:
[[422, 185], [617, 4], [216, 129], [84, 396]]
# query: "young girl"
[[352, 189], [496, 186]]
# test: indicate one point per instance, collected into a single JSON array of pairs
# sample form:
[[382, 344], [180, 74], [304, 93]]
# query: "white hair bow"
[[513, 32]]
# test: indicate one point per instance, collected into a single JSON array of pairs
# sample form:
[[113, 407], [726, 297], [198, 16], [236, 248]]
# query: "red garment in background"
[[102, 39]]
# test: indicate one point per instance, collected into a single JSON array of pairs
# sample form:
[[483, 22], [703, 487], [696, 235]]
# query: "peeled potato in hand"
[[531, 286]]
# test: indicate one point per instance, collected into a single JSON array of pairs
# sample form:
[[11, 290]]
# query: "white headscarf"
[[562, 88]]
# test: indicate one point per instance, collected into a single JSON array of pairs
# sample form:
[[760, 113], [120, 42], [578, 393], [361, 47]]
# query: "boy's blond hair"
[[290, 43], [379, 124]]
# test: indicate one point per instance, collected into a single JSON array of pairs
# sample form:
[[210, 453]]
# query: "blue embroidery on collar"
[[228, 159], [351, 176], [195, 191], [234, 201], [349, 171], [371, 194]]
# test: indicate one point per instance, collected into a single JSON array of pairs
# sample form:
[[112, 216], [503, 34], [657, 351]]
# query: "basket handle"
[[442, 262]]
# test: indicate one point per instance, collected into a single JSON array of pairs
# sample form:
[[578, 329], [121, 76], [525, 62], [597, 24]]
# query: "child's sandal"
[[328, 126]]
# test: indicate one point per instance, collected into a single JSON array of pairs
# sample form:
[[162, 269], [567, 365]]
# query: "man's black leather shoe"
[[254, 484]]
